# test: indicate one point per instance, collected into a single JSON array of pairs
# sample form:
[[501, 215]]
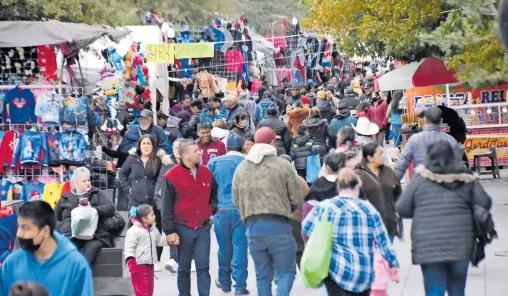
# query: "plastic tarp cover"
[[29, 33]]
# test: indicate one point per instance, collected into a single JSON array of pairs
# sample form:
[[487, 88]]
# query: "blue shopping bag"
[[313, 168]]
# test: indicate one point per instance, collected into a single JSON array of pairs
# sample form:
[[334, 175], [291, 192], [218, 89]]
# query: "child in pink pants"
[[383, 272]]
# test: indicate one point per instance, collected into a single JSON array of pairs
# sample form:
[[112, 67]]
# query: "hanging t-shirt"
[[72, 148], [19, 106], [52, 193], [32, 190], [52, 139], [15, 192], [4, 191], [74, 111], [30, 149], [48, 108]]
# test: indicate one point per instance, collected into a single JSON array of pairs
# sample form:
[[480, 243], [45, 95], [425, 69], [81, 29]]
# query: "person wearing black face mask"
[[46, 256]]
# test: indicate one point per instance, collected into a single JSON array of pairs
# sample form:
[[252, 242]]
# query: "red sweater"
[[187, 200], [377, 114], [211, 150]]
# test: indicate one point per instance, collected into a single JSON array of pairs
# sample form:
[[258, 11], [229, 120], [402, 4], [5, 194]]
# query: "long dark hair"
[[369, 150], [397, 96], [151, 161], [242, 116], [335, 161]]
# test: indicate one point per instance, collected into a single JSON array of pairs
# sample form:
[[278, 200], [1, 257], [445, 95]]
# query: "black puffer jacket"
[[98, 199], [440, 206], [242, 132], [139, 181], [281, 130], [189, 129], [318, 132], [302, 147], [327, 109]]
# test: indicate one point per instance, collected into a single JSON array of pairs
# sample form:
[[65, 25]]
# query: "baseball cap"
[[162, 115], [146, 113], [264, 135], [234, 141]]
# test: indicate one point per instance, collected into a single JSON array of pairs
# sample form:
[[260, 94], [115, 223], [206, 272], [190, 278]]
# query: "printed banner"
[[160, 53], [194, 50], [481, 144]]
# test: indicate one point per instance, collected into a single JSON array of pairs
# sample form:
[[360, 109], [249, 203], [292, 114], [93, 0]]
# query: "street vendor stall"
[[484, 110]]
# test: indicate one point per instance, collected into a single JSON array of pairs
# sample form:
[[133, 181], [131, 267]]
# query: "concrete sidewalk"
[[490, 279]]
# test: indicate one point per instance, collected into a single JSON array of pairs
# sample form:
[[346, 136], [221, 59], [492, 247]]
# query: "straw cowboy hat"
[[365, 127]]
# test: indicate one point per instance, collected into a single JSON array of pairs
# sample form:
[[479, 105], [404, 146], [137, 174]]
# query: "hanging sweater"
[[32, 190], [19, 106], [7, 149], [30, 149], [72, 148], [48, 108]]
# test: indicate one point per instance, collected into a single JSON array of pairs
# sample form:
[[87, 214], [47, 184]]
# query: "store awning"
[[427, 72], [28, 33]]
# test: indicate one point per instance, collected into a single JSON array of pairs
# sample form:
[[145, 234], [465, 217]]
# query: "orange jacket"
[[295, 119]]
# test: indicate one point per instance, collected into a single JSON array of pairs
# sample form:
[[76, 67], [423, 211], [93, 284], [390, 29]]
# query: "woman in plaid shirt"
[[358, 228]]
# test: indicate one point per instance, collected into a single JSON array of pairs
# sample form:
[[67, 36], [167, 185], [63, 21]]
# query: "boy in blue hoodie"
[[46, 256]]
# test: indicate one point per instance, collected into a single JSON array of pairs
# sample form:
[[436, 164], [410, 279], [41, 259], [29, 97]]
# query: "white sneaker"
[[157, 267], [193, 266], [171, 266]]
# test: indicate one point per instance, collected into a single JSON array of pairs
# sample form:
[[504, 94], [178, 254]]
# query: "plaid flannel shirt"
[[357, 226]]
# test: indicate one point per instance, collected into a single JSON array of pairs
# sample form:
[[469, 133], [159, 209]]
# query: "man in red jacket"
[[189, 198], [208, 147]]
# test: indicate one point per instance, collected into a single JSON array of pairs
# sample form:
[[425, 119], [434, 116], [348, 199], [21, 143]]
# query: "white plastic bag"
[[84, 221]]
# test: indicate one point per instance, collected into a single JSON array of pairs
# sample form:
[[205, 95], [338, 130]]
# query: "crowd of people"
[[262, 171]]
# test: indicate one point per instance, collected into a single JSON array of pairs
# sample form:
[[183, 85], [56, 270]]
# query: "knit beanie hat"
[[234, 141], [264, 135]]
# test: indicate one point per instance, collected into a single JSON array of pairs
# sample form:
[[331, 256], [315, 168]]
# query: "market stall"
[[484, 110]]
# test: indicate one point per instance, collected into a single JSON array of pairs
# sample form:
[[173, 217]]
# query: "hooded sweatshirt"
[[65, 273], [265, 184]]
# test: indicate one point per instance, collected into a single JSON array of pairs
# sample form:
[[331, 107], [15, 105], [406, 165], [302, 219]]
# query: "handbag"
[[114, 224], [317, 255], [84, 220]]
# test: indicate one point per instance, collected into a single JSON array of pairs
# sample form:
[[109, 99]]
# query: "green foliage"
[[468, 37]]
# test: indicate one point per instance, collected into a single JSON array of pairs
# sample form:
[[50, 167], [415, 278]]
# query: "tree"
[[469, 39], [462, 31], [377, 28]]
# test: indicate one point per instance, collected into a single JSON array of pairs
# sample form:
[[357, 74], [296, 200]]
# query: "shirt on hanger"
[[32, 190], [72, 148], [48, 108], [32, 148], [19, 106]]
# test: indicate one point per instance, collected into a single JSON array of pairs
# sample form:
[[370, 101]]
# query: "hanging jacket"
[[72, 148], [9, 141], [48, 108], [141, 243], [32, 148], [19, 106], [318, 132], [138, 179], [33, 190], [302, 147], [234, 60], [74, 111]]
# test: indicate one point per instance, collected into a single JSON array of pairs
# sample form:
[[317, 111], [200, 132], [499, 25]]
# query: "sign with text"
[[480, 144], [160, 53], [194, 50]]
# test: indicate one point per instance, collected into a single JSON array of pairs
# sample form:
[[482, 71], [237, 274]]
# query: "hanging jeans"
[[232, 255], [450, 277], [142, 277], [273, 250]]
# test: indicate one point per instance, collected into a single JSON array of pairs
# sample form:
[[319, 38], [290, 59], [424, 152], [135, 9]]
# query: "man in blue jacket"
[[46, 256], [229, 229], [145, 126]]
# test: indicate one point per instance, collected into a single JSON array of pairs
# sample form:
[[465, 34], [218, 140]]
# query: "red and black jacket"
[[187, 200]]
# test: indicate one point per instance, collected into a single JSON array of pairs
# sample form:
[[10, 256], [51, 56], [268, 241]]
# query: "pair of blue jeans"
[[442, 277], [233, 250], [273, 250], [194, 244]]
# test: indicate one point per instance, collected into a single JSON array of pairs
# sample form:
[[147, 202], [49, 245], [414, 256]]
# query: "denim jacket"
[[223, 169]]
